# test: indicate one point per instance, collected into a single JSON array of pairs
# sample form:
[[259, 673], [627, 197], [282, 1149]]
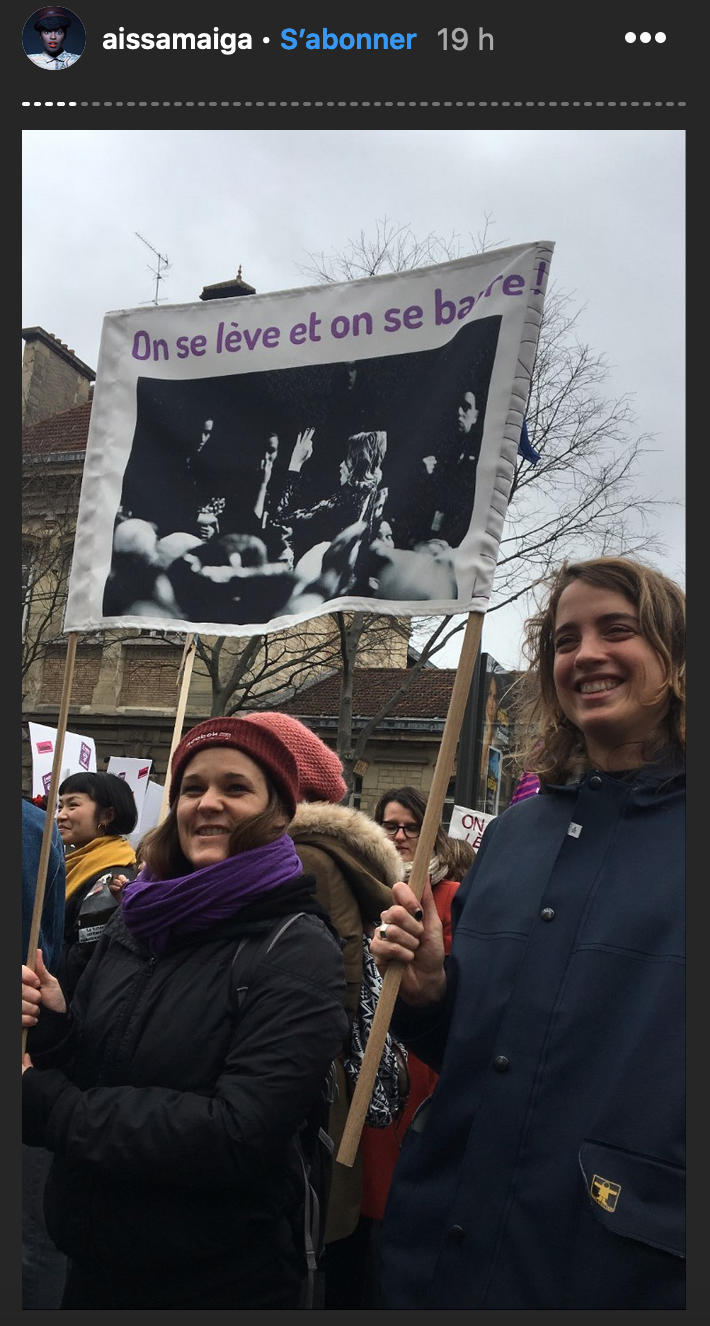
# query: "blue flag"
[[525, 447]]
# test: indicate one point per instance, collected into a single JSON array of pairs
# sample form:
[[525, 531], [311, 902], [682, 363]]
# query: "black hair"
[[110, 793]]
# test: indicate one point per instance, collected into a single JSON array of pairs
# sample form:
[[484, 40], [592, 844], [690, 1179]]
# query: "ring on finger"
[[383, 930]]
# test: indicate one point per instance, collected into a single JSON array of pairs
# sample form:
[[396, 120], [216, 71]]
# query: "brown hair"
[[458, 856], [165, 858], [553, 747], [364, 455], [415, 800]]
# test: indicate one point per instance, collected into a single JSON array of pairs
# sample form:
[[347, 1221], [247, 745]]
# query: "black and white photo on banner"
[[257, 461]]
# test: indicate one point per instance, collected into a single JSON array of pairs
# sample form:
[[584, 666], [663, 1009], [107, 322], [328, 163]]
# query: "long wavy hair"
[[364, 456], [553, 747], [162, 854]]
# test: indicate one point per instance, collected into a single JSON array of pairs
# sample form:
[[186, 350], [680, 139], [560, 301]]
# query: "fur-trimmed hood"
[[352, 829], [361, 848]]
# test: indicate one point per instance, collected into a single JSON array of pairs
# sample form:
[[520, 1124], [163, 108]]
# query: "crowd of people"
[[250, 544], [536, 1160]]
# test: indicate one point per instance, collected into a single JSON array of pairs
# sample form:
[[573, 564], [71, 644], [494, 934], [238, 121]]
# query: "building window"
[[87, 666], [150, 674]]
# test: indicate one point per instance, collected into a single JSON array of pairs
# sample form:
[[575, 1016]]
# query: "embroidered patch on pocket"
[[604, 1192]]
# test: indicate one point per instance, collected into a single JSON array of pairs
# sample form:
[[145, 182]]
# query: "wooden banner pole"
[[54, 782], [184, 676], [432, 818]]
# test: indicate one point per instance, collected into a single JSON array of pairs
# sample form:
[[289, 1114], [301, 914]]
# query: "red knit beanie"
[[320, 772], [255, 739]]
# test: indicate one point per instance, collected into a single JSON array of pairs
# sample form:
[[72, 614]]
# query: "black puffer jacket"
[[77, 947], [171, 1117]]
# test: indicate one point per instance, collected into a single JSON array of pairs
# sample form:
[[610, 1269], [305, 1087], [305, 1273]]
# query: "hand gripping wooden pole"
[[432, 817], [54, 782]]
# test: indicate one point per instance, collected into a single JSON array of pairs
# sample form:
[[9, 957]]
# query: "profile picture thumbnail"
[[53, 38]]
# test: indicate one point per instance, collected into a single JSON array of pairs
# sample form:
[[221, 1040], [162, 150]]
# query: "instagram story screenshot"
[[353, 657]]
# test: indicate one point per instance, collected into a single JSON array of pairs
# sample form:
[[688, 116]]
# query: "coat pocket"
[[636, 1196], [420, 1117]]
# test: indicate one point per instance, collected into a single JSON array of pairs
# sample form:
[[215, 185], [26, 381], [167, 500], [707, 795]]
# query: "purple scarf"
[[161, 910]]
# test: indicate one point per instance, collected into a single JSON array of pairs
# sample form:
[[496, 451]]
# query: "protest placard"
[[78, 755], [469, 825], [136, 773], [150, 812]]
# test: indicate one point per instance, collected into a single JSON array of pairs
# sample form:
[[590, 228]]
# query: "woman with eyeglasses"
[[400, 811]]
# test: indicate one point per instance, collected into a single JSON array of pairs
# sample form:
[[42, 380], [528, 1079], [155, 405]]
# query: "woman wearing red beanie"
[[170, 1107]]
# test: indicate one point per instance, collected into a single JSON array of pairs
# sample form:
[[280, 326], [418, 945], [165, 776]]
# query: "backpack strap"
[[317, 1167], [249, 949]]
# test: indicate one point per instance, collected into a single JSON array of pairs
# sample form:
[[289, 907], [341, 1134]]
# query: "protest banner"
[[256, 462]]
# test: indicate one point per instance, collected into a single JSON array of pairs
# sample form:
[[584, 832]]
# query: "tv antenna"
[[157, 272]]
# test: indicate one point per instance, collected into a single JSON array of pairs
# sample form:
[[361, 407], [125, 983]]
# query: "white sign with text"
[[469, 825], [78, 756]]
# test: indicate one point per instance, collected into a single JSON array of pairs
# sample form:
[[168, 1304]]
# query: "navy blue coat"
[[547, 1170]]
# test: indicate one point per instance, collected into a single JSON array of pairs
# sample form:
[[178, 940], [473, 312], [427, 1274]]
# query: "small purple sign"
[[84, 756]]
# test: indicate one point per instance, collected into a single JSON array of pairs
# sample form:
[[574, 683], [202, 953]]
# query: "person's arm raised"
[[303, 449]]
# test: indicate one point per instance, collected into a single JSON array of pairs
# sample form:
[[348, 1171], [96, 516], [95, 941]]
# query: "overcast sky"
[[210, 200]]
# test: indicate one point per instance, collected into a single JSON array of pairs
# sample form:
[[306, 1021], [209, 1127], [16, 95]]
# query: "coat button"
[[456, 1234], [595, 781], [547, 914], [501, 1064]]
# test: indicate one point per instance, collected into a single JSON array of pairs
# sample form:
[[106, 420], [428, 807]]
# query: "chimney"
[[228, 289], [53, 378]]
